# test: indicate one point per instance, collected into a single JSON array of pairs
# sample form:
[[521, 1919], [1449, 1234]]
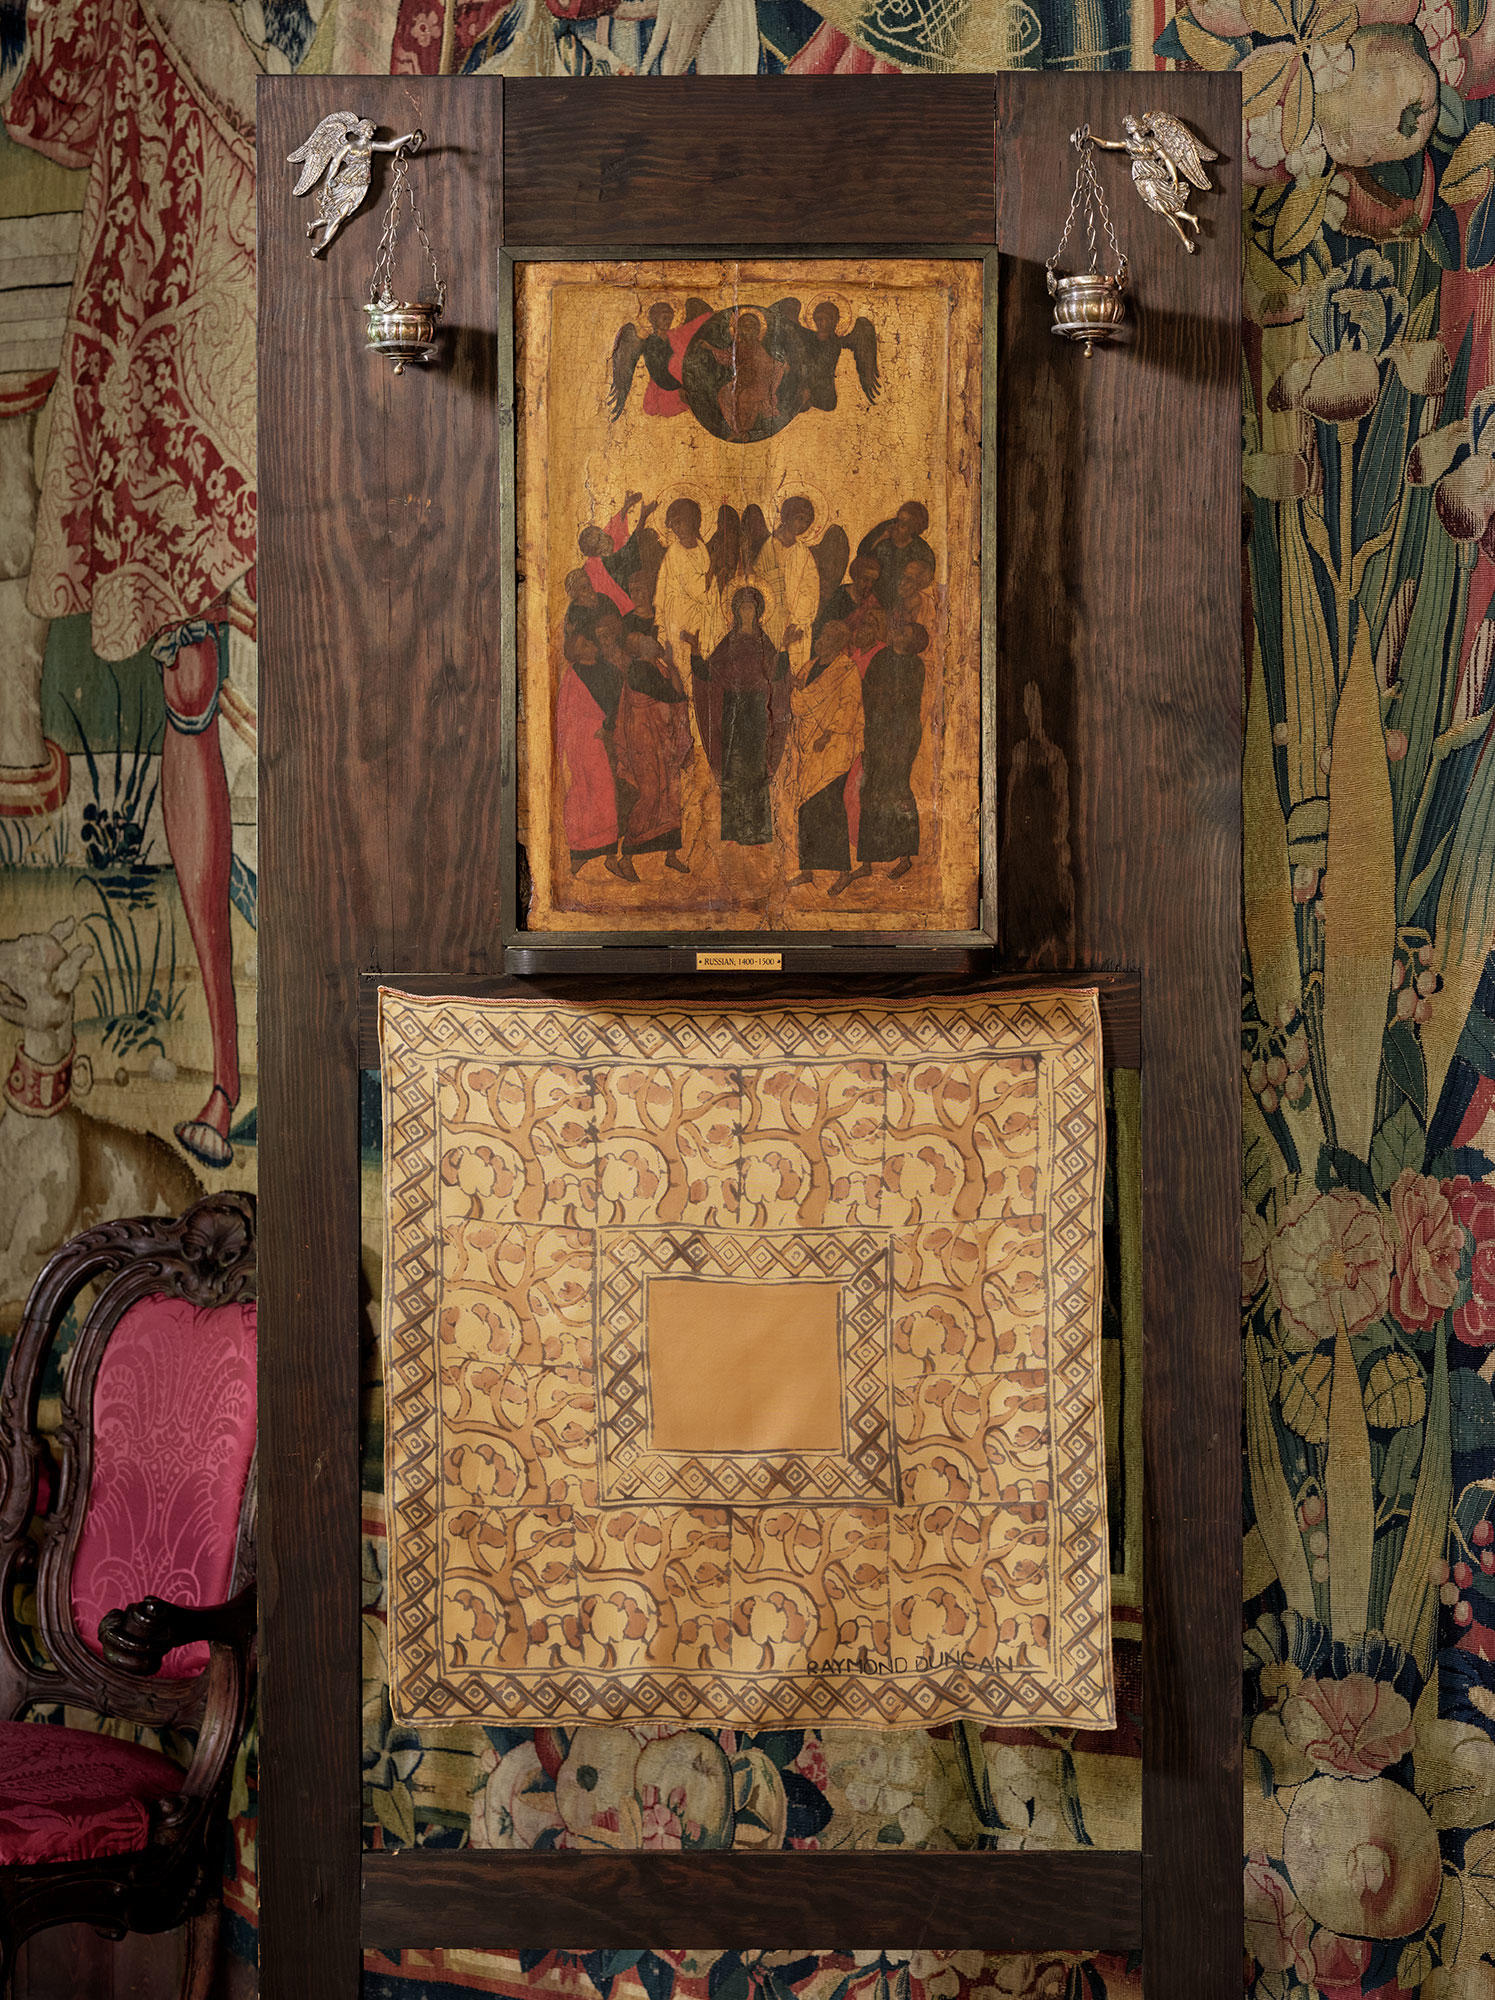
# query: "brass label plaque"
[[739, 961]]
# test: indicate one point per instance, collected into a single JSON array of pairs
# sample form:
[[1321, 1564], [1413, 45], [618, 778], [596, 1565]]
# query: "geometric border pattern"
[[865, 1470], [1059, 1032]]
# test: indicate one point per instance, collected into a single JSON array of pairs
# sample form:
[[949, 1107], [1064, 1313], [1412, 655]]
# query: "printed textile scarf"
[[742, 1364]]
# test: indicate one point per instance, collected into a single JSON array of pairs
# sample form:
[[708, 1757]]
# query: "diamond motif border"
[[628, 1258]]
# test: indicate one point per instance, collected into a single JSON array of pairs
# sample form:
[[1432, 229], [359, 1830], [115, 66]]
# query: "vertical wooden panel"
[[379, 687], [1120, 678]]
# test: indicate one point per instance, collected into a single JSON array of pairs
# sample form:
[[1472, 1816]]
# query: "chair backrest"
[[173, 1440], [156, 1441]]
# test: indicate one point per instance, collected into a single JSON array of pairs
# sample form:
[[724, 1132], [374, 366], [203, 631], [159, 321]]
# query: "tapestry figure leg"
[[195, 808]]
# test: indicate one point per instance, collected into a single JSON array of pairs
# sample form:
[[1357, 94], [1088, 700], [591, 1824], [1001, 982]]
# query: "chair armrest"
[[137, 1638]]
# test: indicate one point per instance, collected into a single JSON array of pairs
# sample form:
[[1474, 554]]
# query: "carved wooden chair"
[[140, 1543]]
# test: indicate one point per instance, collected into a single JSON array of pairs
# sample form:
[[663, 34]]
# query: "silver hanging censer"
[[403, 329], [1090, 305]]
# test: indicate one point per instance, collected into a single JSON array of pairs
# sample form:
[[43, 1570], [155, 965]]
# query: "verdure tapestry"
[[750, 623], [742, 1365], [126, 497], [734, 1975]]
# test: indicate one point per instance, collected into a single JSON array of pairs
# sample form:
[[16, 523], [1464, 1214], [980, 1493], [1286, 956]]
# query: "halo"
[[848, 313], [788, 487], [687, 489], [674, 298]]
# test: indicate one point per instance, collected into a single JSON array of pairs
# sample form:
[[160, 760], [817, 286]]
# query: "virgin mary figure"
[[742, 706]]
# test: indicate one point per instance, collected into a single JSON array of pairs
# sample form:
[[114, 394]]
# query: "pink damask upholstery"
[[173, 1427], [69, 1795]]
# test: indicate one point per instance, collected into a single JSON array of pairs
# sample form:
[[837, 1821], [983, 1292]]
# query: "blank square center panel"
[[767, 1375], [742, 1361], [744, 1367]]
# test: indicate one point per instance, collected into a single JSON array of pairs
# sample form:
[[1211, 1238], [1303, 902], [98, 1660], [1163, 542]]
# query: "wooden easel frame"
[[1117, 720]]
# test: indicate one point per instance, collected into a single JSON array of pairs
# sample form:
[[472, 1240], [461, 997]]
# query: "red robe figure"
[[586, 710], [652, 745], [611, 553]]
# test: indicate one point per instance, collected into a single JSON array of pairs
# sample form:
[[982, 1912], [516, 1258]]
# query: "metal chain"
[[1088, 188], [381, 284]]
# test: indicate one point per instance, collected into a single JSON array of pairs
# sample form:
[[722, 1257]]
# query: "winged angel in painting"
[[1166, 157], [340, 154], [744, 372]]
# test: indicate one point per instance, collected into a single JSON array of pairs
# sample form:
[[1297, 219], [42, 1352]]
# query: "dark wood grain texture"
[[750, 160], [1118, 813], [1120, 670], [379, 682], [74, 1959], [665, 1902], [1120, 994]]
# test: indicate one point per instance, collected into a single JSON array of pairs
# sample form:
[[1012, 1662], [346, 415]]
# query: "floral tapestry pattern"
[[1367, 1056], [754, 1975]]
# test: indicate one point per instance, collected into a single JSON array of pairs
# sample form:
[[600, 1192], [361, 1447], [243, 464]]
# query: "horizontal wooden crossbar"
[[481, 1899]]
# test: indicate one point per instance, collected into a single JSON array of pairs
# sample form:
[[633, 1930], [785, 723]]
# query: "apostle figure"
[[581, 603], [892, 701], [868, 629], [612, 553], [826, 703], [652, 744], [586, 709], [867, 634], [916, 594], [858, 588], [742, 707], [893, 543]]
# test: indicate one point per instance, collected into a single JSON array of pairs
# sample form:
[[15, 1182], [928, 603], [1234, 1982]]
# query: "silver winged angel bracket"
[[1166, 159], [340, 154]]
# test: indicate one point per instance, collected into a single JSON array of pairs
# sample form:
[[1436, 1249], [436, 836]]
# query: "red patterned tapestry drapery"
[[148, 503]]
